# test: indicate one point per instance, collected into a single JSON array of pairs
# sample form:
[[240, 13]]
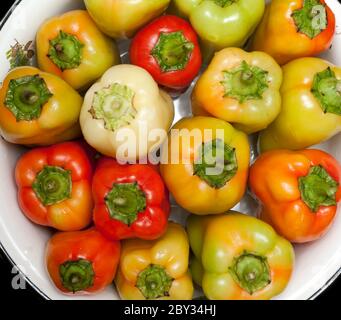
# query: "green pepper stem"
[[247, 76], [125, 201], [338, 87], [217, 163], [251, 272], [53, 185], [172, 51], [30, 97], [66, 51], [245, 82], [26, 97], [313, 12], [120, 201], [327, 90], [318, 188], [114, 105], [306, 18], [77, 275], [224, 3], [154, 282]]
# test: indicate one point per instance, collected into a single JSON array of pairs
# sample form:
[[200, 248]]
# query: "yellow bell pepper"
[[72, 47], [38, 108], [126, 100], [238, 257], [205, 166], [311, 108], [156, 269], [241, 88], [122, 18]]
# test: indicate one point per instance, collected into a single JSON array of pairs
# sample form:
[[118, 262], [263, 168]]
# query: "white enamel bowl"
[[317, 264]]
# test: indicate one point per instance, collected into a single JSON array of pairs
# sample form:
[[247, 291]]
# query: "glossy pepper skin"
[[311, 106], [168, 49], [299, 192], [72, 47], [296, 37], [192, 168], [122, 18], [38, 108], [54, 186], [126, 101], [156, 269], [238, 257], [241, 88], [131, 201], [82, 262], [221, 23]]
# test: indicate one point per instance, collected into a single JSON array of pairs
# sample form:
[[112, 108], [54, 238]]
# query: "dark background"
[[29, 294]]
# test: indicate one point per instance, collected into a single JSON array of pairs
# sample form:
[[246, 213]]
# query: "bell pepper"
[[241, 88], [126, 103], [131, 201], [122, 18], [72, 47], [299, 192], [205, 166], [156, 269], [168, 49], [307, 28], [311, 106], [221, 23], [38, 108], [238, 257], [54, 186], [82, 262]]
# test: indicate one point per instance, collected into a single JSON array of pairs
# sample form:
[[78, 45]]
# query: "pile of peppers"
[[250, 73]]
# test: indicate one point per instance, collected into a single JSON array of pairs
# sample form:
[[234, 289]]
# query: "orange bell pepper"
[[38, 108], [72, 47], [299, 192], [241, 88], [293, 29], [54, 186], [82, 262]]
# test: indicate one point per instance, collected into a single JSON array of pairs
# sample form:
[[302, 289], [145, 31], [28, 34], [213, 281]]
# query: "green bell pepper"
[[221, 23]]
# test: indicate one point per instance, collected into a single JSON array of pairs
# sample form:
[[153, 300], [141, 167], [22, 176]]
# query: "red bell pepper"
[[82, 262], [168, 49], [131, 201], [299, 191], [54, 186]]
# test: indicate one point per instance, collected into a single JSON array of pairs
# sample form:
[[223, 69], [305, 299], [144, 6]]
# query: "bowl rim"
[[2, 248], [40, 291]]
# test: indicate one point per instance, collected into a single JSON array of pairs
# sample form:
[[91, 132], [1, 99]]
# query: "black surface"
[[29, 294]]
